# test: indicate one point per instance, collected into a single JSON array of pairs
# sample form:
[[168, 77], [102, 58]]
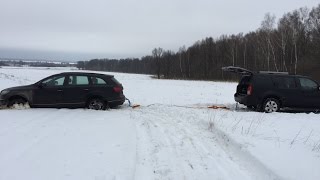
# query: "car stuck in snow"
[[70, 90]]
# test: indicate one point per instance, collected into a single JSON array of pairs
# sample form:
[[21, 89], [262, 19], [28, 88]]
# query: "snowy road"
[[188, 148], [160, 140], [147, 143]]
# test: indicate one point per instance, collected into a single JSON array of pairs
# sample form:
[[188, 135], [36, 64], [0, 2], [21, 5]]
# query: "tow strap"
[[218, 107], [210, 107], [132, 106]]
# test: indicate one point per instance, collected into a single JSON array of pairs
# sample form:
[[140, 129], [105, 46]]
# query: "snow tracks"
[[179, 143]]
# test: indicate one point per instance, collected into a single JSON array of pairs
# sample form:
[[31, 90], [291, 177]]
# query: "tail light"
[[249, 90], [117, 89]]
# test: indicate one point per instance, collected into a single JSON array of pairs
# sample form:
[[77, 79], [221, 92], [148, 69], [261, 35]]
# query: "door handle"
[[86, 89], [59, 90]]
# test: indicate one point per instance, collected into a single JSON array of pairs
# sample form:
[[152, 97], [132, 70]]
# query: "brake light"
[[249, 90], [117, 89]]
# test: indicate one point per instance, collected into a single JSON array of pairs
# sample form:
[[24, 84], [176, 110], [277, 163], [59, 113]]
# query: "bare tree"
[[157, 53], [267, 26], [182, 51]]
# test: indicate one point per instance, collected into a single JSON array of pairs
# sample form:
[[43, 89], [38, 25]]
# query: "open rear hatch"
[[237, 70], [244, 83]]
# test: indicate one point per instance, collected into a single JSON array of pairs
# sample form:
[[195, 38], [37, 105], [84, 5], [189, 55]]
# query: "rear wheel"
[[96, 104], [271, 105]]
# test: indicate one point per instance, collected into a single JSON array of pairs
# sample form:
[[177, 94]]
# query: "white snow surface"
[[173, 135]]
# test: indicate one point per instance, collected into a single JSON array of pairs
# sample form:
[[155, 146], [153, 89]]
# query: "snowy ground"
[[171, 136]]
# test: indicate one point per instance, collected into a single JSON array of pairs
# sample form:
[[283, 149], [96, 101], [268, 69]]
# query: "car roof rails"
[[273, 72], [237, 70], [243, 71]]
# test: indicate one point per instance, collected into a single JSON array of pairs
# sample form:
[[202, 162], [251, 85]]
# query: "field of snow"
[[171, 136]]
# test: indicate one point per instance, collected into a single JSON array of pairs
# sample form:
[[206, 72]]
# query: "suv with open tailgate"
[[269, 91]]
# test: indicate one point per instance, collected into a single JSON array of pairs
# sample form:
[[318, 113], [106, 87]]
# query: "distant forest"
[[20, 63], [292, 45]]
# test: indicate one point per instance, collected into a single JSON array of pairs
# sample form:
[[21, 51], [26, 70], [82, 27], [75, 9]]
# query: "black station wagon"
[[70, 90], [269, 91]]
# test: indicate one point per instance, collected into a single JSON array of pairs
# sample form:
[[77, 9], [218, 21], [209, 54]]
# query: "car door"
[[310, 92], [287, 89], [49, 91], [101, 87], [76, 90]]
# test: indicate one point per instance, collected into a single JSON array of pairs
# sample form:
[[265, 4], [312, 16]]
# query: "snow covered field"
[[171, 136]]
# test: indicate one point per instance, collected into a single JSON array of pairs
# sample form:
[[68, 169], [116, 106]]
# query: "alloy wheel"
[[96, 104], [271, 105]]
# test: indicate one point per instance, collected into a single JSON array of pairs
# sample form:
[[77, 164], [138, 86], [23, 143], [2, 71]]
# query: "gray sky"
[[84, 29]]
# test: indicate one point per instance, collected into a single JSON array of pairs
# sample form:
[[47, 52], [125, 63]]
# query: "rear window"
[[245, 80], [98, 81], [115, 81]]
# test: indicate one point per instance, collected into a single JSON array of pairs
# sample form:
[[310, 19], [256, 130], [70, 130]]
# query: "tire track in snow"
[[177, 138], [153, 152], [208, 164]]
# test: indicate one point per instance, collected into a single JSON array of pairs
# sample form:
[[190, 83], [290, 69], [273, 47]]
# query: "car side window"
[[98, 81], [307, 84], [76, 80], [54, 81], [285, 82], [263, 81]]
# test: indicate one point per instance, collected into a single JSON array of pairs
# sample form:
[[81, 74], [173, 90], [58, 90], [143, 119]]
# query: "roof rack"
[[237, 70], [273, 72]]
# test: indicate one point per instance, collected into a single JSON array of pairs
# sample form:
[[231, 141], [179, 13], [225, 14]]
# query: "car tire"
[[271, 105], [18, 101], [96, 104]]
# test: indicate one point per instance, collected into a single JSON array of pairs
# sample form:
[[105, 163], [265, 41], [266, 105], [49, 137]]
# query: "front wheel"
[[96, 104], [271, 105], [17, 103]]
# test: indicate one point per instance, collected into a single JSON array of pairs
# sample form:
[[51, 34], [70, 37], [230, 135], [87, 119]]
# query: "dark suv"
[[71, 90], [270, 91]]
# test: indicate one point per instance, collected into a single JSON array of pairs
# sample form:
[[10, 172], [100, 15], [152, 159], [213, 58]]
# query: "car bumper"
[[117, 102], [245, 99]]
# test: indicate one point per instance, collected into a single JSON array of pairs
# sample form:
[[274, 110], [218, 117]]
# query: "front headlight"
[[4, 92]]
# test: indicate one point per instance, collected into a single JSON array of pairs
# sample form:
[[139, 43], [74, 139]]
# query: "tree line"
[[291, 45], [20, 63]]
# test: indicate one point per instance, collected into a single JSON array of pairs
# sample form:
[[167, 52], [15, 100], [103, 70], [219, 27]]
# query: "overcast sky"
[[84, 29]]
